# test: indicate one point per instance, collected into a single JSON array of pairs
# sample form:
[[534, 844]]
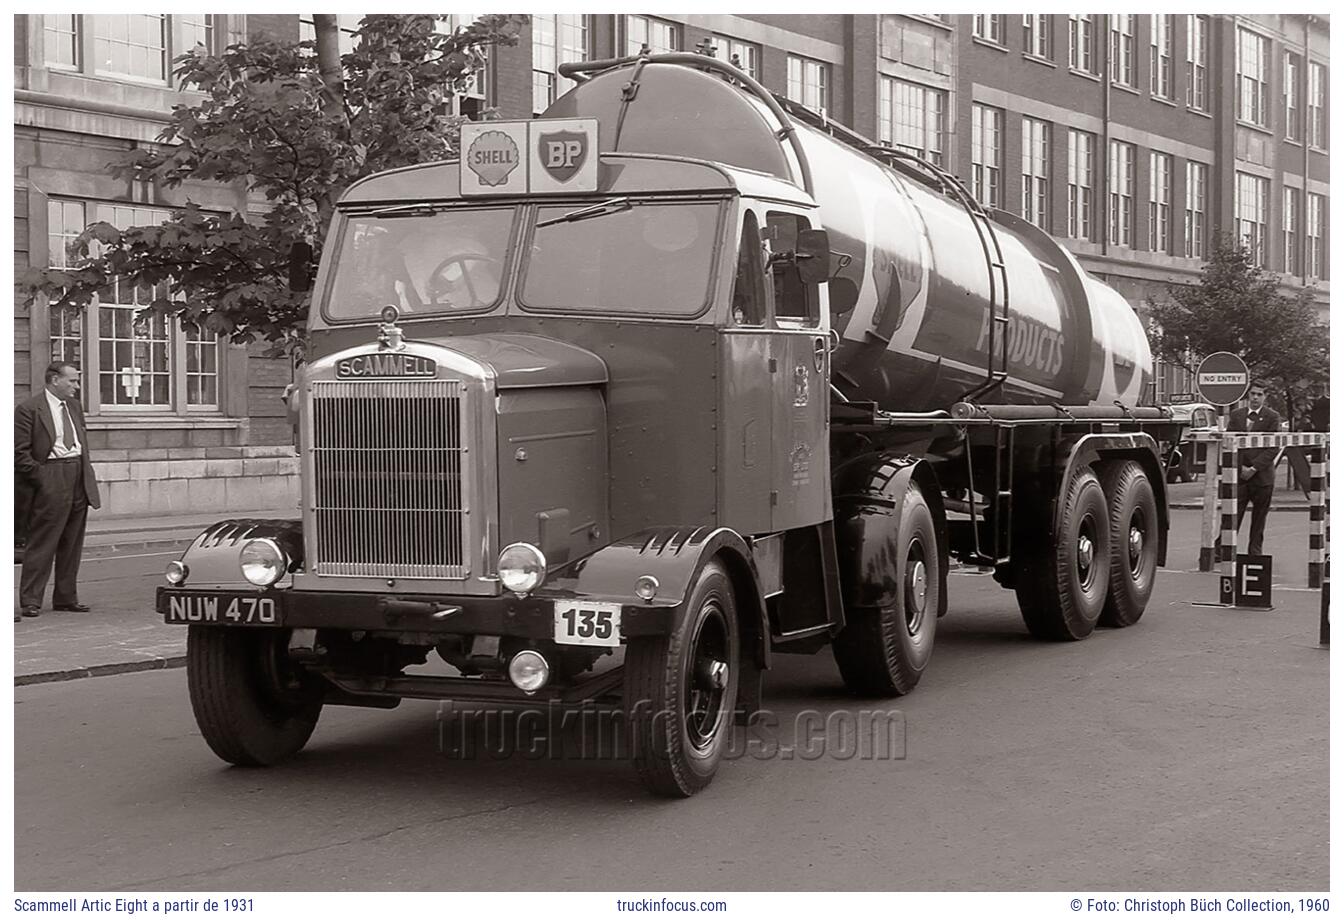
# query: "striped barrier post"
[[1208, 530], [1227, 501], [1316, 527]]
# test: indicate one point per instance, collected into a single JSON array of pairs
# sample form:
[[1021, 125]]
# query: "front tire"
[[882, 651], [1061, 586], [681, 691], [1134, 528], [237, 682]]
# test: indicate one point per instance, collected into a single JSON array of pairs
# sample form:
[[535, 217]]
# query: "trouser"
[[1259, 497], [55, 533]]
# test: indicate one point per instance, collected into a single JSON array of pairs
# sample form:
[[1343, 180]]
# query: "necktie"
[[67, 429]]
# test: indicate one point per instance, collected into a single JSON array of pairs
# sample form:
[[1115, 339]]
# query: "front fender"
[[212, 558], [674, 556]]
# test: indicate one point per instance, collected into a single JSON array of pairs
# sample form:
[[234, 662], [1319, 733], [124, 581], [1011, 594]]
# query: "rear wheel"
[[251, 708], [681, 691], [1061, 582], [882, 651], [1133, 526]]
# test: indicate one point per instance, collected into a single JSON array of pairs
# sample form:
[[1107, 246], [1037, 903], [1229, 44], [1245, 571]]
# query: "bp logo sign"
[[562, 153], [492, 156]]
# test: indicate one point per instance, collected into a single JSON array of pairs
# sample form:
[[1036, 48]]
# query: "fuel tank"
[[912, 301]]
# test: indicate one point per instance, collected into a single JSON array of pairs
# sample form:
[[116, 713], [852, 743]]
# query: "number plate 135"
[[587, 623]]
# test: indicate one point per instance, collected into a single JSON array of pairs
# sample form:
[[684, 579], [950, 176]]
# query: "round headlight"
[[262, 561], [176, 573], [529, 671], [522, 567]]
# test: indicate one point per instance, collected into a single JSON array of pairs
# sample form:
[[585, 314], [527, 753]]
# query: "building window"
[[745, 56], [134, 45], [1081, 56], [1122, 49], [1082, 157], [1292, 262], [1036, 35], [60, 36], [990, 28], [1252, 77], [1035, 175], [1163, 26], [1197, 62], [1252, 209], [1292, 105], [987, 155], [1159, 202], [1318, 127], [1316, 263], [809, 83], [1196, 198], [658, 35], [913, 118], [1122, 194], [559, 38], [195, 29], [139, 361]]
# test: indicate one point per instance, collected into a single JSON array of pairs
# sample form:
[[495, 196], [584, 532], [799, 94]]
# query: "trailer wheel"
[[1061, 587], [237, 680], [882, 651], [1133, 517], [681, 691]]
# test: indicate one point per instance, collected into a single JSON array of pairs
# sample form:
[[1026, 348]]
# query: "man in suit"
[[1256, 474], [51, 448]]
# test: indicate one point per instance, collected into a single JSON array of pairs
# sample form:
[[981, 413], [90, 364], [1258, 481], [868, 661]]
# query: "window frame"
[[987, 154], [1037, 36], [560, 52], [1082, 43], [1252, 78], [1318, 108], [732, 45], [1121, 169], [1036, 172], [806, 66], [1161, 172], [1122, 49], [1292, 102], [997, 28], [1256, 205], [890, 103], [1292, 214], [1196, 208], [1082, 177], [1197, 62], [1161, 42], [674, 31], [1318, 216]]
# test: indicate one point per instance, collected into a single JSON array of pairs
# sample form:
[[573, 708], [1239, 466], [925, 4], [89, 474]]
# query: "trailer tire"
[[1133, 520], [882, 651], [681, 691], [242, 713], [1061, 587]]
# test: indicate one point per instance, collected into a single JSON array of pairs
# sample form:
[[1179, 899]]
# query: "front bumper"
[[532, 617]]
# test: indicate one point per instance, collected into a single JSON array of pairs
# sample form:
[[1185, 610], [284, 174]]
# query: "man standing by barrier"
[[1256, 475]]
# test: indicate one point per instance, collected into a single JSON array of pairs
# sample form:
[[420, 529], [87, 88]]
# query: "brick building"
[[1134, 138]]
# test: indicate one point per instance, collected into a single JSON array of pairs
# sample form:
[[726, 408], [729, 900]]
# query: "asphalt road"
[[1189, 752]]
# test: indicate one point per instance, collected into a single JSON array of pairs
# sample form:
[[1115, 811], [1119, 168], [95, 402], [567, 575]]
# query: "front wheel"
[[251, 709], [681, 691]]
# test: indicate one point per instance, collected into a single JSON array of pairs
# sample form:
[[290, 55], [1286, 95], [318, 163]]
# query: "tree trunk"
[[329, 64]]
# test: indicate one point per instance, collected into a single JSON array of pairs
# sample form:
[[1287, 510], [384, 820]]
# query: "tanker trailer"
[[636, 396]]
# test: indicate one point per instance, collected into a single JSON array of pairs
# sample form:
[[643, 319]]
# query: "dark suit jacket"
[[1262, 458], [35, 433]]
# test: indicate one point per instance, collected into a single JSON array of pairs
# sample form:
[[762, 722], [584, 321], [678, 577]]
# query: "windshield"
[[448, 261], [641, 258]]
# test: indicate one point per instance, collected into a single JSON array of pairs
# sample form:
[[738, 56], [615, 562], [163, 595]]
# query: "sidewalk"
[[117, 638]]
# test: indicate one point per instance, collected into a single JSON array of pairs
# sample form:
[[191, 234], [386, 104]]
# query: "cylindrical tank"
[[913, 303]]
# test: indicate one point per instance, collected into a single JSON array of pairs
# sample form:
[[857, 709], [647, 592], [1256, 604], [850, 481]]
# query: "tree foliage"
[[1240, 307], [290, 124]]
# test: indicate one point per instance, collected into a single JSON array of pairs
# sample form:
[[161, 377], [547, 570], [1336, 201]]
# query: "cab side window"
[[795, 301], [748, 302]]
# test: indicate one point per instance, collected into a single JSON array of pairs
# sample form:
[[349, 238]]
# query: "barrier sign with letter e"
[[1251, 586], [1222, 378]]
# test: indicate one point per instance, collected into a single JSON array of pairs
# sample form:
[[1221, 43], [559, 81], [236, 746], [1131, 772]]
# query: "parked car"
[[1197, 417]]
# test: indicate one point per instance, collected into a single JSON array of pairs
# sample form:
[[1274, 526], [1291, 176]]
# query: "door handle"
[[820, 350]]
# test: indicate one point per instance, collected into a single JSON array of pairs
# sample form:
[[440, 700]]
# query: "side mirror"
[[813, 253]]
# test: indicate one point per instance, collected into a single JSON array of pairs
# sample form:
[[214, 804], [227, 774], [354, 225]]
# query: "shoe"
[[30, 611], [73, 608]]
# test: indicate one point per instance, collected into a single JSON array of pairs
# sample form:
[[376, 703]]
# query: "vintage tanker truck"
[[641, 394]]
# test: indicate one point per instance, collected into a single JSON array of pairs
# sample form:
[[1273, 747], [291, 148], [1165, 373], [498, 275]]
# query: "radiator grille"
[[388, 494]]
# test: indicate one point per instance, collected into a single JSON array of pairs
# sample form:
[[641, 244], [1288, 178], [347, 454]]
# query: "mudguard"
[[1094, 448], [674, 556], [212, 558], [869, 495]]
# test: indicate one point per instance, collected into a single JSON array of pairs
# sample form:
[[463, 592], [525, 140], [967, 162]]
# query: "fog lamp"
[[529, 671], [522, 567], [262, 561], [177, 572], [646, 586]]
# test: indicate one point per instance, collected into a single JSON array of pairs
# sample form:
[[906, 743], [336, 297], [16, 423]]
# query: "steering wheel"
[[440, 287]]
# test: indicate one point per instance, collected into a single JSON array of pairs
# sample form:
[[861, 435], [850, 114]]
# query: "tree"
[[296, 123], [1240, 307]]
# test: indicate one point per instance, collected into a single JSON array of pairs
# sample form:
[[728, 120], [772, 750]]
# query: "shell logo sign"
[[529, 157]]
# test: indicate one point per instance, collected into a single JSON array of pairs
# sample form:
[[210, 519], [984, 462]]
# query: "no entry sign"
[[1222, 378]]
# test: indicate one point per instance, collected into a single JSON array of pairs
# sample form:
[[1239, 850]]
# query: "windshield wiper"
[[419, 209], [610, 206]]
